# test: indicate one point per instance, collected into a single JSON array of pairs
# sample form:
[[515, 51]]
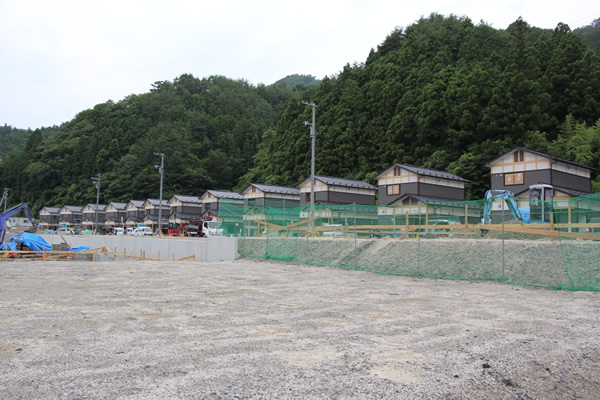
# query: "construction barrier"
[[553, 245]]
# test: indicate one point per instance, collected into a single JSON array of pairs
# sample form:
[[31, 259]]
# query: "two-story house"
[[183, 208], [134, 213], [519, 168], [334, 191], [116, 214], [211, 200], [259, 195], [91, 214], [406, 184], [71, 216], [153, 209], [49, 218]]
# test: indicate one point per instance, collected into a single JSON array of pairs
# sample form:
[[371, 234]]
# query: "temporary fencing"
[[552, 244]]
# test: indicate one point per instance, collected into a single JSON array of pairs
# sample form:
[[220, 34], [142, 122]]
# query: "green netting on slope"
[[579, 234], [439, 240]]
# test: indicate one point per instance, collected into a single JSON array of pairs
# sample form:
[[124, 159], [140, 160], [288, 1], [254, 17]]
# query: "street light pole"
[[161, 171], [96, 180], [313, 135]]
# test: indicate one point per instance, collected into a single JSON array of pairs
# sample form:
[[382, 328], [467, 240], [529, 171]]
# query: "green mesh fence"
[[555, 246]]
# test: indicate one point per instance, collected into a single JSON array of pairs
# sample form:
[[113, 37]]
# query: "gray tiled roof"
[[329, 180], [118, 206], [429, 199], [101, 207], [137, 203], [277, 189], [222, 194], [185, 215], [73, 208], [156, 202], [431, 172], [187, 199]]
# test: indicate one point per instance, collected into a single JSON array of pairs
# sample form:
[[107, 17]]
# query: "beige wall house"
[[401, 183], [335, 191], [258, 195], [519, 168]]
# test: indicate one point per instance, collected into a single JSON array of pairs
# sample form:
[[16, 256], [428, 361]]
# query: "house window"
[[513, 179], [396, 171], [307, 197], [393, 189], [518, 156]]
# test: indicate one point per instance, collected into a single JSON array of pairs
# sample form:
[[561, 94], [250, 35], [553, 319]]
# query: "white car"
[[142, 231]]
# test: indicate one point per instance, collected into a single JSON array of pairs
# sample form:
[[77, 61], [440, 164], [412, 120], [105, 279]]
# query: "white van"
[[142, 231], [118, 231]]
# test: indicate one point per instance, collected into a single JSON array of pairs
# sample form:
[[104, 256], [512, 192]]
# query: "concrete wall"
[[205, 249]]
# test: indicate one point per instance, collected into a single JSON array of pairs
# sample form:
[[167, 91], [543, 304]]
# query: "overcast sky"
[[60, 57]]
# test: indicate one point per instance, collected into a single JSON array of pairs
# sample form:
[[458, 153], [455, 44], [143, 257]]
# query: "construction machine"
[[508, 197], [201, 227], [4, 216], [540, 204]]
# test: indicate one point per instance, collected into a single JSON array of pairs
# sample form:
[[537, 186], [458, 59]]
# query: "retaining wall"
[[214, 248]]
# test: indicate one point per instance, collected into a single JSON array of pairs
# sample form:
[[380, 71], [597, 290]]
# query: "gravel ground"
[[277, 330]]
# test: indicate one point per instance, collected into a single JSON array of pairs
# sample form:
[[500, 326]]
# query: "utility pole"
[[96, 180], [313, 135], [161, 171]]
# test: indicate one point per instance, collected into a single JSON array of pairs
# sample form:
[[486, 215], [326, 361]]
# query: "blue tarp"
[[31, 240], [8, 246], [80, 248]]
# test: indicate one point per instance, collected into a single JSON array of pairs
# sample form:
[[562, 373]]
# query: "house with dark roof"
[[335, 191], [405, 184], [211, 200], [259, 195], [519, 168], [116, 214], [71, 216], [183, 208], [91, 214], [153, 207], [49, 217], [134, 213]]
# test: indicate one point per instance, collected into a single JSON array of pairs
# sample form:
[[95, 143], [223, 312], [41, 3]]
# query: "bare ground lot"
[[259, 329]]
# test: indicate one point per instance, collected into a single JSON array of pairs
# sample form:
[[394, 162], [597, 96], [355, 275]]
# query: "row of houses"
[[399, 184]]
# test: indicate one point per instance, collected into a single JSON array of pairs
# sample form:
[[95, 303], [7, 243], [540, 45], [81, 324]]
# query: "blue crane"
[[12, 211]]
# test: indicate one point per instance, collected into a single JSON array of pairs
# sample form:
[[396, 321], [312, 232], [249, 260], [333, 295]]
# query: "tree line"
[[442, 93]]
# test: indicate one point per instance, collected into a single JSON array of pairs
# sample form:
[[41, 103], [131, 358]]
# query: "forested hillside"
[[14, 139], [442, 93], [447, 94], [208, 130]]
